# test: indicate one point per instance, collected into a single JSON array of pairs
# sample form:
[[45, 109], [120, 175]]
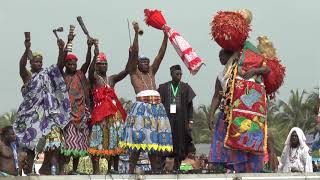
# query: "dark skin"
[[294, 140], [224, 56], [99, 69], [71, 65], [7, 163], [98, 78], [142, 69], [35, 64], [176, 76], [71, 69], [142, 78], [36, 67]]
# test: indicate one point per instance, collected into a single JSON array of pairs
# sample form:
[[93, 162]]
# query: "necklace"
[[105, 82], [145, 84]]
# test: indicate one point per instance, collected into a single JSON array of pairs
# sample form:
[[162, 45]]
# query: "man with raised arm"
[[76, 133], [45, 107], [147, 127], [108, 114]]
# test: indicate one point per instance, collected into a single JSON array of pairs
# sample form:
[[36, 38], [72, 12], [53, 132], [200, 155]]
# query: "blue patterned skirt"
[[147, 128]]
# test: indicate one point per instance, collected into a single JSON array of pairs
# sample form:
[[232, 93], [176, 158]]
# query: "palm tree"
[[200, 131], [298, 112], [8, 118]]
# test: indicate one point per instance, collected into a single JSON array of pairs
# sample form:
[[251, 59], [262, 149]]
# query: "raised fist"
[[60, 43], [90, 42], [71, 37], [135, 26], [27, 44]]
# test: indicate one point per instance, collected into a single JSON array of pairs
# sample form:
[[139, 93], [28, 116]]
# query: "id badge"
[[173, 108]]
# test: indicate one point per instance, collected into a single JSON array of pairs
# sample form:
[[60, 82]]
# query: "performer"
[[147, 127], [76, 133], [248, 78], [295, 155], [238, 160], [177, 96], [108, 114], [11, 157], [45, 108]]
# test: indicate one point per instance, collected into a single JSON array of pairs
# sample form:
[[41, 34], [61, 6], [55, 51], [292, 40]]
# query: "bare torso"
[[7, 164], [143, 81], [101, 81]]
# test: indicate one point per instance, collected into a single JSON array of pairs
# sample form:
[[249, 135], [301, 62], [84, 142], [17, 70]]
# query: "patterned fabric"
[[54, 140], [78, 94], [46, 104], [238, 160], [149, 99], [185, 51], [105, 136], [147, 128], [76, 140], [247, 129]]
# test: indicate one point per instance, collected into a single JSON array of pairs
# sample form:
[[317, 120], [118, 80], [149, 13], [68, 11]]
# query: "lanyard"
[[174, 91]]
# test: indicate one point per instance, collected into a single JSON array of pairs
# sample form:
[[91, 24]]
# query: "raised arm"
[[216, 99], [92, 68], [24, 73], [161, 53], [61, 55], [118, 77], [85, 66], [133, 59]]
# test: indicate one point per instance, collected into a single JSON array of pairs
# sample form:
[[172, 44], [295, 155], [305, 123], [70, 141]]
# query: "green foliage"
[[8, 118], [200, 128], [299, 111]]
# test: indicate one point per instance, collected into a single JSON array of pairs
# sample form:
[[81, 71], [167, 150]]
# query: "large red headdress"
[[230, 30]]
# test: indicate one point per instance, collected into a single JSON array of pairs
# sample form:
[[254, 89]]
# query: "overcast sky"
[[292, 25]]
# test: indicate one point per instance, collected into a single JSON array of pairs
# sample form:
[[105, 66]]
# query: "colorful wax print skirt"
[[54, 140], [105, 136], [147, 128]]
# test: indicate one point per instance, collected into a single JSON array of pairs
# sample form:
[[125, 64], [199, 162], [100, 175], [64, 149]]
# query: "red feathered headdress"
[[230, 30]]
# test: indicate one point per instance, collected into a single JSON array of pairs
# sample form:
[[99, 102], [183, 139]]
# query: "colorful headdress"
[[102, 58], [230, 29], [71, 56], [274, 79]]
